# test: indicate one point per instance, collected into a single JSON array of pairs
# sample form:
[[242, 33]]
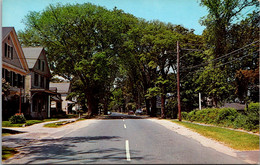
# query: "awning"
[[44, 91], [55, 98]]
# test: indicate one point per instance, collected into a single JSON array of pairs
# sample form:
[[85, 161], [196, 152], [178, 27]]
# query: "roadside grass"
[[27, 123], [234, 139], [7, 152], [6, 134], [56, 124]]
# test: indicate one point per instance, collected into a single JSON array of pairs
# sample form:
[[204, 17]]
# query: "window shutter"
[[5, 49], [12, 53]]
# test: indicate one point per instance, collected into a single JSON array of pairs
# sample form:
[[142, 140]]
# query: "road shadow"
[[121, 117], [10, 131], [70, 150]]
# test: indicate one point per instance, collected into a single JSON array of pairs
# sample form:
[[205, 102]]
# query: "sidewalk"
[[251, 157], [37, 128], [37, 132]]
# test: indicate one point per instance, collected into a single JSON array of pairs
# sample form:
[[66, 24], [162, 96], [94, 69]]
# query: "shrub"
[[184, 115], [253, 113], [226, 116], [191, 115], [17, 119]]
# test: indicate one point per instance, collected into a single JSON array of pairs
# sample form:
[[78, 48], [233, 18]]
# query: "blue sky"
[[181, 12]]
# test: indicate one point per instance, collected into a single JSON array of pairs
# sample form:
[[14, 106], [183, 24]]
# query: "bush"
[[253, 112], [17, 119], [184, 115], [226, 116]]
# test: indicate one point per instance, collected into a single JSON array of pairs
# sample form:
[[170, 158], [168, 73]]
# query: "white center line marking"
[[127, 151], [124, 125], [123, 119]]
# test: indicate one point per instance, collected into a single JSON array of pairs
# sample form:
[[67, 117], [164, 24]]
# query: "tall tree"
[[82, 40], [218, 22]]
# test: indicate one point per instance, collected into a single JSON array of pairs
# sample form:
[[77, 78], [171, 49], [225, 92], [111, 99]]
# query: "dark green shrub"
[[226, 116], [184, 115], [17, 119], [191, 115], [253, 112]]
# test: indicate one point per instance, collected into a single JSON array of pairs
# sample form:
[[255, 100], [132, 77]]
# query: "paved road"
[[114, 141]]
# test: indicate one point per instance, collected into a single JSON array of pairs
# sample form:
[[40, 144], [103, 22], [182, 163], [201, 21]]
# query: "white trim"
[[15, 67]]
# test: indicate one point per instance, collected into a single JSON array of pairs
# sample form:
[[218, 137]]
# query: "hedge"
[[227, 117]]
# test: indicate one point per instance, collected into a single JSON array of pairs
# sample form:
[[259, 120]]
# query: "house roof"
[[237, 106], [6, 30], [62, 88], [32, 54]]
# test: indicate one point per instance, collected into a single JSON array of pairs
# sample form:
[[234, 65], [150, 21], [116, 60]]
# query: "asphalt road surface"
[[121, 140]]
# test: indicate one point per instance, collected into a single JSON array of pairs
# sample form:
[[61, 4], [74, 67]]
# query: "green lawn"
[[7, 152], [56, 124], [234, 139], [28, 123]]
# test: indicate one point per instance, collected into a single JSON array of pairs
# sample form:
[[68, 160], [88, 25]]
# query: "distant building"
[[37, 83], [14, 70], [237, 106], [64, 90]]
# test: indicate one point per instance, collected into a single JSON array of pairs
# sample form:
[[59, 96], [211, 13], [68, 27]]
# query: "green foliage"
[[184, 115], [5, 87], [8, 152], [227, 117], [17, 119], [253, 113]]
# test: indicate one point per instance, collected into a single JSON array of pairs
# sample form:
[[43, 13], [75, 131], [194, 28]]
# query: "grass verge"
[[56, 124], [7, 152], [234, 139], [28, 123]]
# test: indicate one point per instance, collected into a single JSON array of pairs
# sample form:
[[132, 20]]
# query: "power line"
[[217, 66], [229, 54]]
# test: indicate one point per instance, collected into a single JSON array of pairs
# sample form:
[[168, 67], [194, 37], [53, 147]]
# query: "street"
[[114, 141]]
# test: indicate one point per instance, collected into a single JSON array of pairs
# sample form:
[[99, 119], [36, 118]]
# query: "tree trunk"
[[105, 107], [147, 105], [163, 107], [153, 107], [92, 104]]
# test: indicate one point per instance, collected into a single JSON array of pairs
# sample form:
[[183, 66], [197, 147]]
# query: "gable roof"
[[62, 88], [32, 54], [6, 31], [11, 31]]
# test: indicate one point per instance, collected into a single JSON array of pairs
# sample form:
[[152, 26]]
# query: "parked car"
[[109, 113], [138, 112], [130, 112]]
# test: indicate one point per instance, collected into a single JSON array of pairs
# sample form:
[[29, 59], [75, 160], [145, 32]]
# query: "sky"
[[181, 12]]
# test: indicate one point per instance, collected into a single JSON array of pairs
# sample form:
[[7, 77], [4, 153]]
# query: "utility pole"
[[199, 101], [178, 80]]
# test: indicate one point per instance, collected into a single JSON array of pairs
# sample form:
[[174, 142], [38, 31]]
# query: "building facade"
[[14, 71], [37, 83]]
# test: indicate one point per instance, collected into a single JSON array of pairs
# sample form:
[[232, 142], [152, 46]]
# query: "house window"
[[47, 83], [36, 79], [9, 51], [3, 73], [15, 79], [43, 66], [7, 76], [39, 64], [12, 78], [20, 81], [42, 82]]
